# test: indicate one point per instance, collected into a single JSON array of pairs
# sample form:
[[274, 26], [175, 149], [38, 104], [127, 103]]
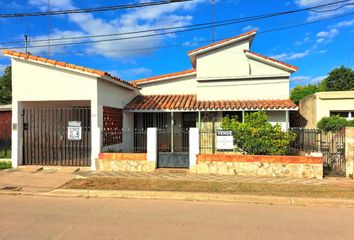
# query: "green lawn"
[[5, 153], [5, 164]]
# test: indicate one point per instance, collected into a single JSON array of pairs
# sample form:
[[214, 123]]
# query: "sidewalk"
[[34, 179], [175, 186]]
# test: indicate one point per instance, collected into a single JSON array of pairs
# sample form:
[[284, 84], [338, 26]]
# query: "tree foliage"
[[299, 92], [332, 123], [340, 79], [257, 136], [6, 87]]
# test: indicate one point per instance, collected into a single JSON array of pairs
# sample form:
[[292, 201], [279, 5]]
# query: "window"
[[345, 114]]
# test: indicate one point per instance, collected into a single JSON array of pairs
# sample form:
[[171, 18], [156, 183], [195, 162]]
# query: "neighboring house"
[[226, 78], [325, 104], [5, 128]]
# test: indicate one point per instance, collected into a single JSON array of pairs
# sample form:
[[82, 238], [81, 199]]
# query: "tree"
[[340, 79], [6, 87], [332, 123], [299, 92]]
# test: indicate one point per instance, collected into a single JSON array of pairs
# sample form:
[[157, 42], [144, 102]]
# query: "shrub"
[[257, 136], [332, 124], [350, 123]]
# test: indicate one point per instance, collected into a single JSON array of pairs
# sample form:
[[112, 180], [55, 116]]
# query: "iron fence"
[[176, 141], [208, 143], [124, 140], [330, 144], [5, 138]]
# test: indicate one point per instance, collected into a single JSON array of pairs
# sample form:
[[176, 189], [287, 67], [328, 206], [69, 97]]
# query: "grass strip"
[[270, 189]]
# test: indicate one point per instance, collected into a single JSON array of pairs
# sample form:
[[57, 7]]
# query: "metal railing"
[[5, 138], [125, 141]]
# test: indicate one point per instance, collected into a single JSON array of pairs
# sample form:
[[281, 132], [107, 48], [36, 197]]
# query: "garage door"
[[57, 136]]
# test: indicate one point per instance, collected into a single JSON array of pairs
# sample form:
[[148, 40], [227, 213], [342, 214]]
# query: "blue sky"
[[315, 48]]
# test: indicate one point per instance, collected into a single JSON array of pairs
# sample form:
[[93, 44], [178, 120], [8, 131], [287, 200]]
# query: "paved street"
[[35, 217]]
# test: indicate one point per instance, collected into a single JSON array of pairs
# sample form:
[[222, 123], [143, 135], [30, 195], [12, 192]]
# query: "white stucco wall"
[[224, 62], [250, 89], [278, 117], [182, 85]]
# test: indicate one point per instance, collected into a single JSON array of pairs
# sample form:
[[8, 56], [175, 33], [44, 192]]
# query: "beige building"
[[325, 104], [64, 114]]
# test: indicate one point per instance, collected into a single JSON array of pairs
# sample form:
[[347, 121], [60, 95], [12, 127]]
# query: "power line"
[[208, 41], [87, 10], [184, 28]]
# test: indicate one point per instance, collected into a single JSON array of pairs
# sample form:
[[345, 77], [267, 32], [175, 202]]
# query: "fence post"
[[151, 144], [193, 146], [349, 152]]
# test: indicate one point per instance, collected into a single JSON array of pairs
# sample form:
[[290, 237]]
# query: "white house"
[[53, 99]]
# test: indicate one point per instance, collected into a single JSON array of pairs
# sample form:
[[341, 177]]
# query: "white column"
[[152, 144], [287, 120], [193, 146], [96, 139], [16, 134]]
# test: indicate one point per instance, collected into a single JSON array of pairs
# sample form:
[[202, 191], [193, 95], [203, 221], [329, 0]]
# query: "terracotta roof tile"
[[190, 102], [174, 74], [53, 62], [222, 41], [272, 60]]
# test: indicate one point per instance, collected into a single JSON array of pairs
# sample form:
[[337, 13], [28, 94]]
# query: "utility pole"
[[212, 20], [48, 29], [26, 44]]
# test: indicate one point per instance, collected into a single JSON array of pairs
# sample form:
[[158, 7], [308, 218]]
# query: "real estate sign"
[[74, 130], [224, 140]]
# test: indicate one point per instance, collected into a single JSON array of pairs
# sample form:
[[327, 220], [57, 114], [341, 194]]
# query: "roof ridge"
[[251, 32], [166, 75], [272, 59], [55, 63]]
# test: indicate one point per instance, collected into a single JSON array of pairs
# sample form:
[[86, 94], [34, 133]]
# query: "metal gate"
[[173, 149], [57, 136], [330, 144]]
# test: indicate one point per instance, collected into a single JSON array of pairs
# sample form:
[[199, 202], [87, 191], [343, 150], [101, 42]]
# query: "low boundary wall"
[[256, 165], [124, 162]]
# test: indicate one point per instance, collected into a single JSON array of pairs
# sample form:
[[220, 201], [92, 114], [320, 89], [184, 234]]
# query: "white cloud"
[[133, 72], [326, 11], [249, 27], [54, 49], [132, 21], [194, 41], [326, 36], [307, 79], [292, 55], [303, 41], [345, 23]]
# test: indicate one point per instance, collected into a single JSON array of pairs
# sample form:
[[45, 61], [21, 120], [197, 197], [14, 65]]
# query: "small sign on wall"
[[74, 130], [224, 140]]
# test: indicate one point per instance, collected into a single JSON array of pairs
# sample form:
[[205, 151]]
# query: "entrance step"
[[30, 168], [62, 169], [171, 170]]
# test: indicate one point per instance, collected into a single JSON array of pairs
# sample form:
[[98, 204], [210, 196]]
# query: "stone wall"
[[251, 165], [124, 162], [349, 152]]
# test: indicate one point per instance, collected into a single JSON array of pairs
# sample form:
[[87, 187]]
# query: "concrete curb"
[[193, 196]]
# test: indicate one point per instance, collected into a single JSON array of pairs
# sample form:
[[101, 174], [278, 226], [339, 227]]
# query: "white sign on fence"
[[224, 140], [74, 130]]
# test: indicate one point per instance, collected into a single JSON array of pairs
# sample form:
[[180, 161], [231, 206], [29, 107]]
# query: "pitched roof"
[[164, 76], [224, 41], [290, 67], [55, 63], [190, 102]]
